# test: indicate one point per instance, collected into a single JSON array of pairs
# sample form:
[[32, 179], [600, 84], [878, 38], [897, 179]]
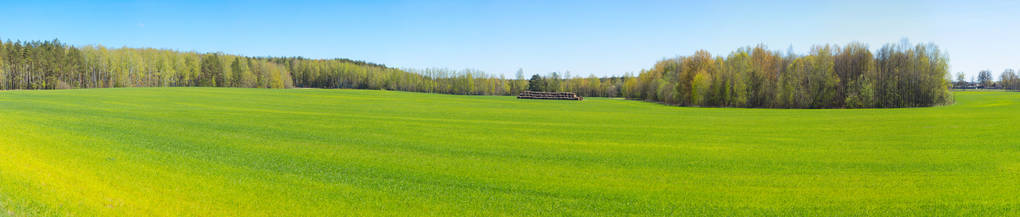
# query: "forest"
[[830, 76]]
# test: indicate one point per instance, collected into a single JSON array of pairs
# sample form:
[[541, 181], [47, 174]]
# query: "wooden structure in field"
[[549, 95]]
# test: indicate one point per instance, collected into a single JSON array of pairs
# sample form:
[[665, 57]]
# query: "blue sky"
[[583, 37]]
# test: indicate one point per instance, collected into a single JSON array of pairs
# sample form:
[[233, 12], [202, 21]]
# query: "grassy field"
[[311, 152]]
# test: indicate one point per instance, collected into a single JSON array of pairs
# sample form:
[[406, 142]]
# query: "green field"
[[313, 152]]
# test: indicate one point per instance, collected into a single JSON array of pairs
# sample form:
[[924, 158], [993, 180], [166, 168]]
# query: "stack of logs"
[[549, 95]]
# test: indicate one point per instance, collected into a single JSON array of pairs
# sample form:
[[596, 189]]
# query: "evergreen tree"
[[536, 83], [212, 71]]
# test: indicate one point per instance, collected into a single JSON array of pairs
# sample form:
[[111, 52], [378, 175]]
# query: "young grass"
[[312, 152]]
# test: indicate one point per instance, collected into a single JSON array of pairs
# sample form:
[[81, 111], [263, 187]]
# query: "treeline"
[[828, 77], [55, 65], [897, 75], [1007, 80]]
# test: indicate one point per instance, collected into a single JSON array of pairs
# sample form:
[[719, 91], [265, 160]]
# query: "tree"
[[694, 78], [518, 84], [536, 83], [738, 67], [961, 80], [552, 84], [242, 75], [212, 71], [853, 62], [863, 93], [630, 88], [985, 78], [700, 88], [470, 85], [1009, 80]]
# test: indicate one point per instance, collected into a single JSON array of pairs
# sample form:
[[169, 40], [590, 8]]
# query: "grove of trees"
[[1009, 80], [897, 75]]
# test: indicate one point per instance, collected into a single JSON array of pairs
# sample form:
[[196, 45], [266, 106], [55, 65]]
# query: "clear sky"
[[584, 37]]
